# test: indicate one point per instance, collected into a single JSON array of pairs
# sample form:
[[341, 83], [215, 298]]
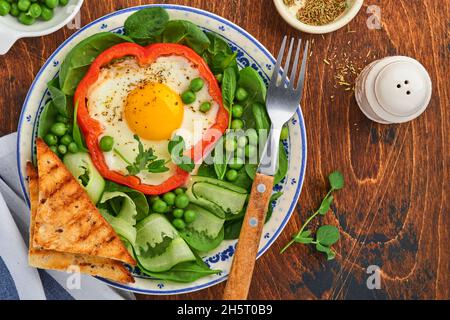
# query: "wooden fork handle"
[[244, 259]]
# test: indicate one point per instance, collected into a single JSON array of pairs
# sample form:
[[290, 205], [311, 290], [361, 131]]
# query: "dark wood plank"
[[393, 212]]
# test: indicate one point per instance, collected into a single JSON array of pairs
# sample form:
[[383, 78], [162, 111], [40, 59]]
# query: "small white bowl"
[[353, 8], [12, 30]]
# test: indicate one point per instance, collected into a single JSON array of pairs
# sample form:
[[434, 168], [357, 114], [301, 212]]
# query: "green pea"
[[241, 94], [106, 143], [250, 151], [179, 191], [237, 111], [26, 19], [242, 142], [188, 97], [51, 140], [219, 77], [159, 206], [63, 2], [197, 84], [205, 107], [73, 147], [230, 145], [178, 213], [47, 13], [14, 10], [60, 118], [237, 124], [35, 10], [52, 4], [59, 129], [190, 216], [179, 224], [284, 133], [62, 149], [54, 149], [236, 164], [252, 137], [181, 201], [153, 199], [66, 139], [24, 5], [5, 8], [169, 198], [232, 175]]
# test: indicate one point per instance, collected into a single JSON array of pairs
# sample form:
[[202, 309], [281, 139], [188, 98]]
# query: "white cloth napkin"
[[17, 279]]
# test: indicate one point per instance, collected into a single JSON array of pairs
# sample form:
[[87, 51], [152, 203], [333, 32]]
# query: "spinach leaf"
[[47, 119], [79, 59], [187, 33], [229, 84], [184, 272], [219, 55], [58, 97], [233, 229], [78, 137], [147, 25], [207, 170], [251, 81], [138, 198], [283, 166]]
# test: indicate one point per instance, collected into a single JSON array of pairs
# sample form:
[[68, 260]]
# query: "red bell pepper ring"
[[92, 129]]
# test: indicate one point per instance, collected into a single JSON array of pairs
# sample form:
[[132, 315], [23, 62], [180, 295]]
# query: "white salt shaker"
[[393, 90]]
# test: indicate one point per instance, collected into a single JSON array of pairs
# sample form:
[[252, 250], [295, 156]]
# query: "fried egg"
[[130, 99]]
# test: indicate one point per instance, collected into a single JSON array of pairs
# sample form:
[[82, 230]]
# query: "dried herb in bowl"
[[318, 12]]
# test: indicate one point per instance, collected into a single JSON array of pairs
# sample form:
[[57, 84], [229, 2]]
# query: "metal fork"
[[283, 99]]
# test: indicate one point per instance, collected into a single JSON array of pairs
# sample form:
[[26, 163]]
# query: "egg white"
[[106, 103]]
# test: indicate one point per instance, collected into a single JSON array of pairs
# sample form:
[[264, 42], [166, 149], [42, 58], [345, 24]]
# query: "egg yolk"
[[154, 111]]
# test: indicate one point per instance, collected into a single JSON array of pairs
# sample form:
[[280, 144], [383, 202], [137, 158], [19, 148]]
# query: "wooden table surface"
[[393, 212]]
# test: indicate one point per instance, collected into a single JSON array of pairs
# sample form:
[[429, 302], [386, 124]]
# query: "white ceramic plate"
[[250, 53]]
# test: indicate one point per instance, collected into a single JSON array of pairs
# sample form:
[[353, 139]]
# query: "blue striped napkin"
[[18, 281]]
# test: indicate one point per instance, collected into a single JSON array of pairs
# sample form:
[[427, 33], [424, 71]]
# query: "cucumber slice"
[[231, 202], [219, 183], [206, 232], [80, 164], [206, 222], [177, 252], [152, 231], [125, 221], [159, 247], [218, 197]]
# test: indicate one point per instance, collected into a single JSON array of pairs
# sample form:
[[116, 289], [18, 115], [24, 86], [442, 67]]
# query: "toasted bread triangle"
[[66, 220], [54, 260]]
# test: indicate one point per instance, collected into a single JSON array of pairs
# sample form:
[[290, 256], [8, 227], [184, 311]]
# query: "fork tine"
[[301, 78], [295, 67], [276, 71], [288, 63]]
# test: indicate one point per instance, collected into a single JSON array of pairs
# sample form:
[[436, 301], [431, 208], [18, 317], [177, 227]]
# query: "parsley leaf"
[[145, 160]]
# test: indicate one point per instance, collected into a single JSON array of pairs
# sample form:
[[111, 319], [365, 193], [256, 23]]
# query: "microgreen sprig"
[[326, 235]]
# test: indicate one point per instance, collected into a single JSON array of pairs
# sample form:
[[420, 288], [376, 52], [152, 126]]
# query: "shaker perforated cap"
[[398, 89]]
